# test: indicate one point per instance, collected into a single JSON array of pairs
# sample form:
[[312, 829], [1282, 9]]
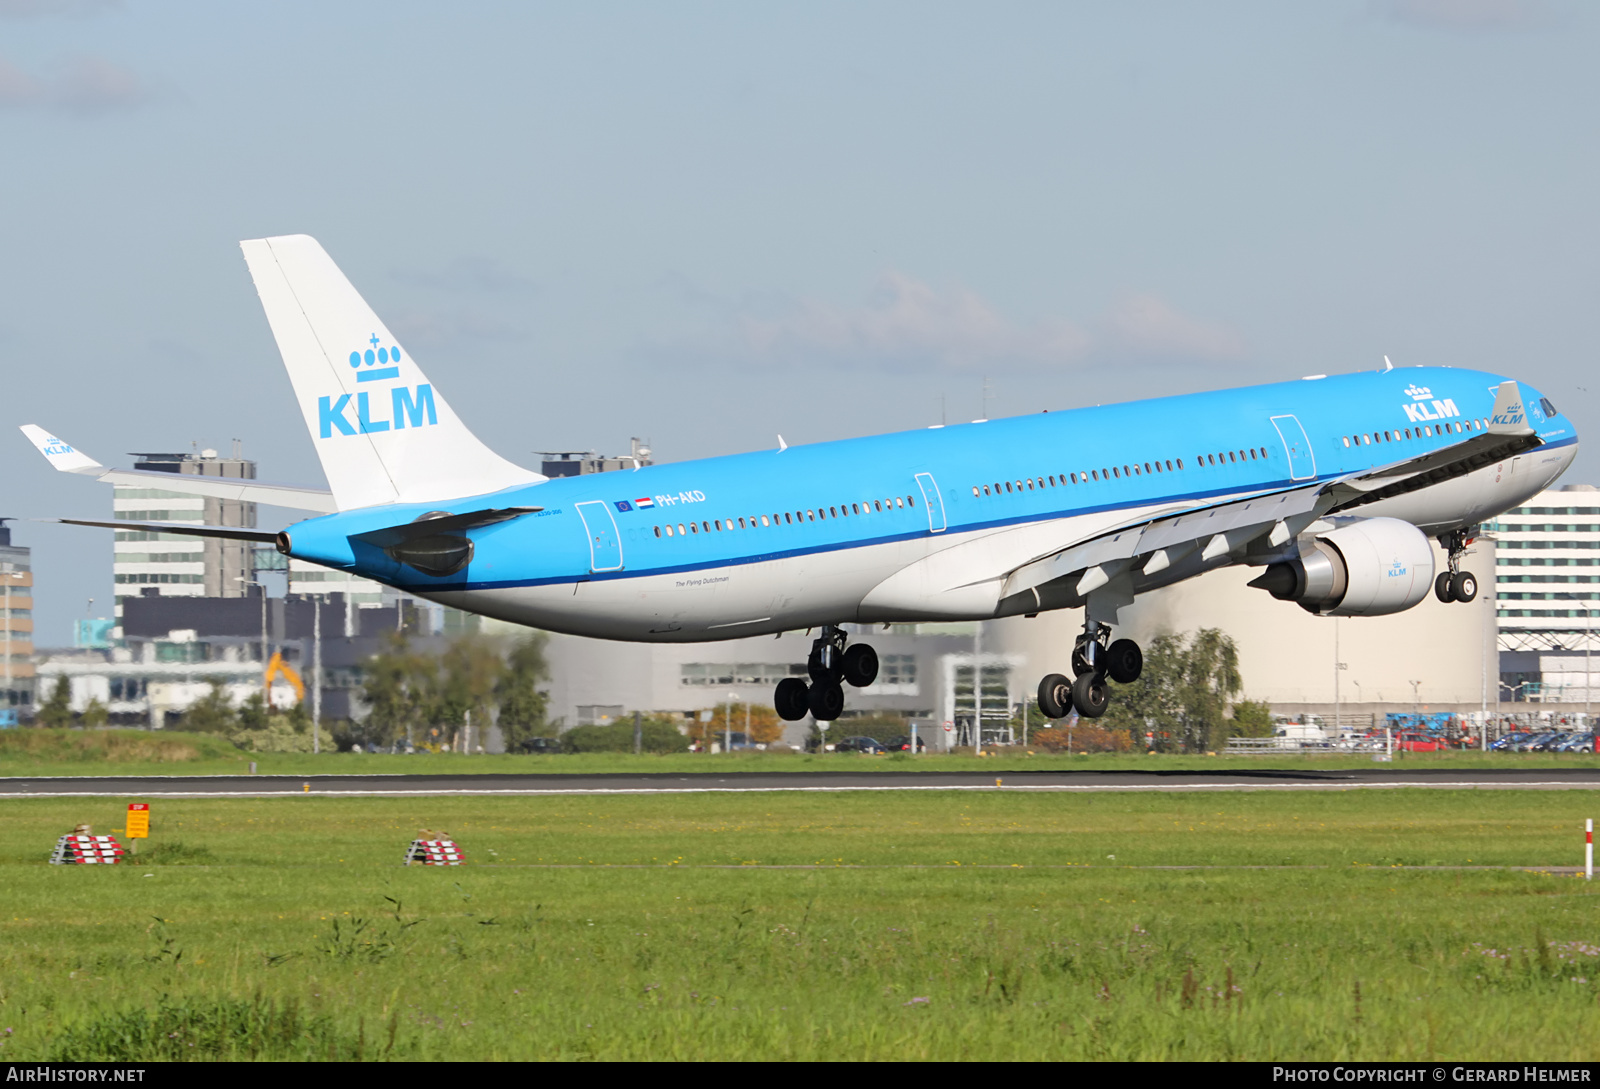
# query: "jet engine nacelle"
[[1368, 568]]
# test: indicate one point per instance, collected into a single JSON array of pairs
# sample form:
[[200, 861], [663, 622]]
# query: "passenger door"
[[605, 544]]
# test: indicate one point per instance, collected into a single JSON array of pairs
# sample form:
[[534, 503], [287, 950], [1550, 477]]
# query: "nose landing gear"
[[831, 665], [1094, 658]]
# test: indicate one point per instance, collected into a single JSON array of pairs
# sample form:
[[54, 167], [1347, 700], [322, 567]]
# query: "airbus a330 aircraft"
[[1333, 486]]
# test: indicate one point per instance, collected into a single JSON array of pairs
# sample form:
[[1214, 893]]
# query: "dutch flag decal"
[[644, 504]]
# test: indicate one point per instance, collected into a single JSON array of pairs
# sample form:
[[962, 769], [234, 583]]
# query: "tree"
[[56, 712], [471, 670], [95, 715], [397, 689], [523, 707], [1183, 694], [212, 713], [1251, 718], [765, 725], [253, 712]]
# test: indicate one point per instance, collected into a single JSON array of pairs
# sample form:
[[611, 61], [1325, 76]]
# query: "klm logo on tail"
[[408, 406]]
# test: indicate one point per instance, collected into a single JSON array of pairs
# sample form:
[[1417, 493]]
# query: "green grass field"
[[134, 752], [919, 925]]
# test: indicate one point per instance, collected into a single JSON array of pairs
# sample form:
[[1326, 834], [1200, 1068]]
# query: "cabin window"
[[1347, 442], [658, 530], [855, 508], [986, 489], [764, 520], [898, 503], [910, 502]]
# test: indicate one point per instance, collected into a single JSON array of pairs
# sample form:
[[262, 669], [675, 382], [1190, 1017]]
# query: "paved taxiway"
[[199, 786]]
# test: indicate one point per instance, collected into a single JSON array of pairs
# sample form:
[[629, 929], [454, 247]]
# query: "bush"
[[1083, 739], [659, 736]]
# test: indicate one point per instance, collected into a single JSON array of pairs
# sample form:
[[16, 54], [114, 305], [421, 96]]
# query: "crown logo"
[[1414, 391], [375, 355]]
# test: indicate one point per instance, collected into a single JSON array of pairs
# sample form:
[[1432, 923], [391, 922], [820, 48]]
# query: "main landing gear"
[[1455, 584], [831, 663], [1094, 658]]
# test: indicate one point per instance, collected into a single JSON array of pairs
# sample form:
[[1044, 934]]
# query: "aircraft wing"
[[69, 460], [1199, 537]]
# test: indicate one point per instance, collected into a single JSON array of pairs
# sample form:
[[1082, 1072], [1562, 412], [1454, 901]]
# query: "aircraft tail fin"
[[383, 432]]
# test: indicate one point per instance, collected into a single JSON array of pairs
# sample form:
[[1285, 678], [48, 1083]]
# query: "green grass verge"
[[135, 752], [804, 926]]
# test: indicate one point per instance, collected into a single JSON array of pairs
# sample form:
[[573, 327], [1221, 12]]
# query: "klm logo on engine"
[[1397, 570], [1418, 410], [408, 406]]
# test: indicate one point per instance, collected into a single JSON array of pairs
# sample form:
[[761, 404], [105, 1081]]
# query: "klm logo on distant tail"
[[1511, 417], [1417, 411], [408, 406]]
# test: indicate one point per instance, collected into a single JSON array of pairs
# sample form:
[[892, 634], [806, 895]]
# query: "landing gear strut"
[[1094, 658], [1455, 584], [830, 666]]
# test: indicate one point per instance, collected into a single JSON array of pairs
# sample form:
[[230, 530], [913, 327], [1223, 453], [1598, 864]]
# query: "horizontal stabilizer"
[[186, 529], [69, 460]]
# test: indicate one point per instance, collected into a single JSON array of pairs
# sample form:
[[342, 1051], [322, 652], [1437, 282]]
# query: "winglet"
[[60, 455], [1510, 415]]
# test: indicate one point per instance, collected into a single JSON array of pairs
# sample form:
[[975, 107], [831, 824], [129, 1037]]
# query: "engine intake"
[[1372, 567]]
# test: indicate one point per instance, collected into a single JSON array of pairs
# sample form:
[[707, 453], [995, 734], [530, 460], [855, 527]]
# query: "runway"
[[257, 786]]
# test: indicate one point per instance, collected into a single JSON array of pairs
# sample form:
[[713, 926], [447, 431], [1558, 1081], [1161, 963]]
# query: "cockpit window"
[[1549, 409]]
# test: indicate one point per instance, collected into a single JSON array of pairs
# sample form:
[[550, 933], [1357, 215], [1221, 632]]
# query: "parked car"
[[870, 746], [903, 743]]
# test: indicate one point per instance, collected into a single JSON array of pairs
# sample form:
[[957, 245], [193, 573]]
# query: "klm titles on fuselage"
[[408, 405], [1417, 410]]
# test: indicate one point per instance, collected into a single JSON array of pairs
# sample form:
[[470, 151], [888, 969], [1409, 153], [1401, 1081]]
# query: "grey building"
[[171, 565]]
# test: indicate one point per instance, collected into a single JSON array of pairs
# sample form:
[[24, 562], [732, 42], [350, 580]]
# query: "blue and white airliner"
[[1334, 486]]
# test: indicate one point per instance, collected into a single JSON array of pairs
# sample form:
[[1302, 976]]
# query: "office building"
[[1547, 581], [167, 563], [16, 624]]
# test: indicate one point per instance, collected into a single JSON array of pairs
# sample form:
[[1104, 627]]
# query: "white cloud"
[[84, 85], [1146, 325], [905, 322]]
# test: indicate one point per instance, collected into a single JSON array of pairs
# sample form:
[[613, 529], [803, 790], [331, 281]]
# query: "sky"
[[708, 224]]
